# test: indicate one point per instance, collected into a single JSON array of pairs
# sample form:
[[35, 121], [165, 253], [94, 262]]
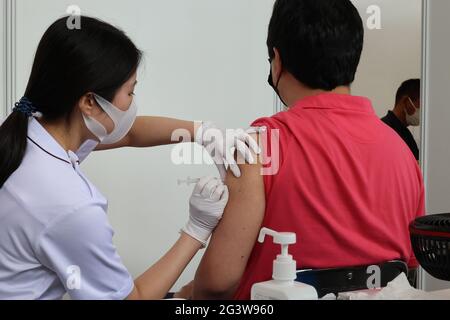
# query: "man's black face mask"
[[275, 87]]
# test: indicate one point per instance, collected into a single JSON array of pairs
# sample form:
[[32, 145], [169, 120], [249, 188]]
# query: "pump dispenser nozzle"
[[284, 267], [284, 285]]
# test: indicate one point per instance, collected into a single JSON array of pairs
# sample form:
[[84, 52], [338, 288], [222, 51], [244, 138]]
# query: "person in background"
[[406, 113]]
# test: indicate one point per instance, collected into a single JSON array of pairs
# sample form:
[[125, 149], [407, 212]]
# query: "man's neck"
[[400, 116], [300, 92]]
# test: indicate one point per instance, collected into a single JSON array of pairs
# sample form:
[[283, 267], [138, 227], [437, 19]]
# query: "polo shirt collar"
[[335, 101]]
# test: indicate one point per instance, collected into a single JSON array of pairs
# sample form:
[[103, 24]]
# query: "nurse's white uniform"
[[55, 237]]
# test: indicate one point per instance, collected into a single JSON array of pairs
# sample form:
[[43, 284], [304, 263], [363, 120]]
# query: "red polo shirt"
[[346, 184]]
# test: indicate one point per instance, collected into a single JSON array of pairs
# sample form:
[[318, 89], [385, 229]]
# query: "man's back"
[[347, 185]]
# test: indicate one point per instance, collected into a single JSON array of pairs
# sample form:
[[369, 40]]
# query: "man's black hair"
[[409, 88], [320, 41]]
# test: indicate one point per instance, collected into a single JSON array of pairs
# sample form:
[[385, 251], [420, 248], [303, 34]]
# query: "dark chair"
[[349, 279]]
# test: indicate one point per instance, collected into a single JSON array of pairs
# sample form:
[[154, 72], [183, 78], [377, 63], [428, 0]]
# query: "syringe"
[[188, 181]]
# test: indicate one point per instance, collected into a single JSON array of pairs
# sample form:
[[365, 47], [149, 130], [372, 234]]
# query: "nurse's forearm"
[[156, 282], [156, 131]]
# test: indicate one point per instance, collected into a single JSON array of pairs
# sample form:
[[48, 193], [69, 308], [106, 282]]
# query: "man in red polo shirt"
[[335, 174]]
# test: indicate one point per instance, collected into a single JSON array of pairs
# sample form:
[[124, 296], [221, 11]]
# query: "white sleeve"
[[79, 249]]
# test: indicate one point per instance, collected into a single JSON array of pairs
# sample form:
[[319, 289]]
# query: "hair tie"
[[26, 107]]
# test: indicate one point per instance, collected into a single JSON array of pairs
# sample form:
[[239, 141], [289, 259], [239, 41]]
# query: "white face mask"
[[123, 121], [414, 119]]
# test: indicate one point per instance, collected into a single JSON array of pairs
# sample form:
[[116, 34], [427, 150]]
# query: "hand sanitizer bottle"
[[283, 286]]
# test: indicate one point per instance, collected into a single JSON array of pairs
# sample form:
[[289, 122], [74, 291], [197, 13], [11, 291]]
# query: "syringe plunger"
[[188, 181]]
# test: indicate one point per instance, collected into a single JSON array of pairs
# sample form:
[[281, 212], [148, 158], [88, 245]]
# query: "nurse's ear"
[[88, 105]]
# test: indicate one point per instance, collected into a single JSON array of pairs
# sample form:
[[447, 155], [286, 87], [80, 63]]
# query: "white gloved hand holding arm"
[[221, 145], [207, 204]]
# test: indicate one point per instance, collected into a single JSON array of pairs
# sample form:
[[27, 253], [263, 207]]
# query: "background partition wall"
[[3, 49], [436, 114], [392, 52], [8, 55]]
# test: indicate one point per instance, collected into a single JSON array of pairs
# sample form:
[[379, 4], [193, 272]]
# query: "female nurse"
[[55, 237]]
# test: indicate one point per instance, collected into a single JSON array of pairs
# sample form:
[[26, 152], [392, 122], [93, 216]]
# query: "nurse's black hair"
[[69, 63], [320, 41]]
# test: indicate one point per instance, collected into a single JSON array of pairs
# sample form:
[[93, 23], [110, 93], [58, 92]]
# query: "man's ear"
[[277, 65], [88, 105], [409, 108]]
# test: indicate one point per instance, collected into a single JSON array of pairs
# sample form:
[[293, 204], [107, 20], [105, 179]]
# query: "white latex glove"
[[207, 204], [221, 145]]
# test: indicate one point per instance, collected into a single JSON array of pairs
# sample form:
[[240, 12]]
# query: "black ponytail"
[[68, 64], [13, 144]]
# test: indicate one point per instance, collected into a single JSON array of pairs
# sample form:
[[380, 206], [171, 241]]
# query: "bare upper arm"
[[226, 258]]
